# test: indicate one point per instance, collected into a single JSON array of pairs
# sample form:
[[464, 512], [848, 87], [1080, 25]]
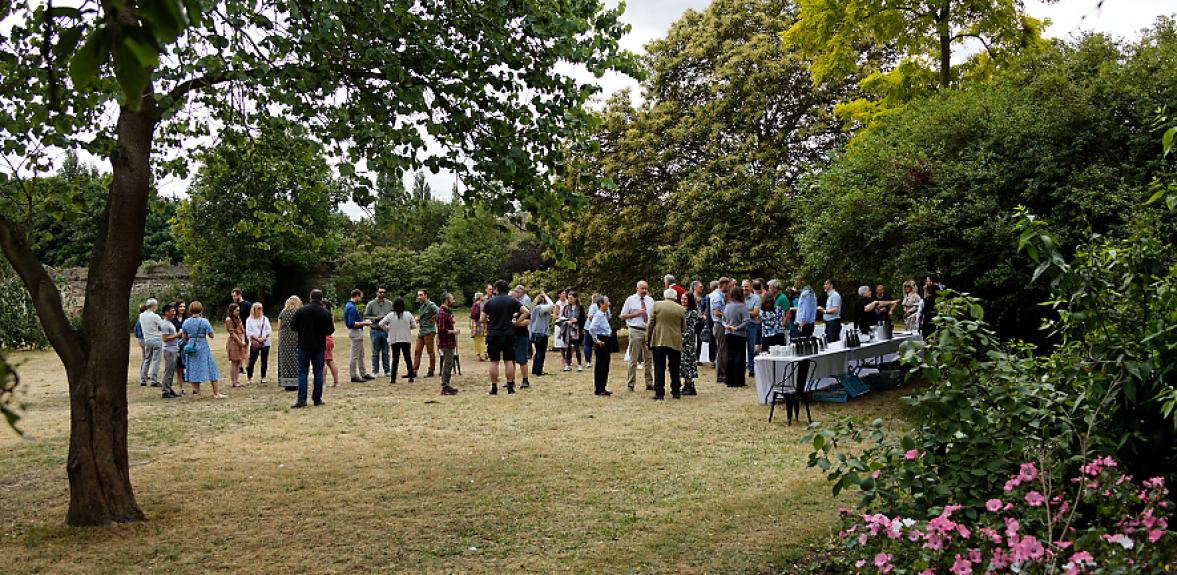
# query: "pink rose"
[[911, 454]]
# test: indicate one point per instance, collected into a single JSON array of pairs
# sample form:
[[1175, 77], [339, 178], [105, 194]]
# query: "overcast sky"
[[651, 19]]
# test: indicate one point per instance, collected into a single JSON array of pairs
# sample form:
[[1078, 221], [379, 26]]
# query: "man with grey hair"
[[664, 338], [865, 310], [636, 313], [523, 297], [149, 322], [679, 291]]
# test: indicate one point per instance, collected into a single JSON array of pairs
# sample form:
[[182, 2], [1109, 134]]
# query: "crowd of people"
[[733, 319]]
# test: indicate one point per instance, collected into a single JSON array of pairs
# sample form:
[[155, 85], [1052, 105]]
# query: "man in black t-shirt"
[[864, 310], [499, 313], [313, 324]]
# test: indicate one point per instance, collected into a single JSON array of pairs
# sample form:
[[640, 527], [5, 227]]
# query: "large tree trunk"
[[944, 31], [99, 476], [95, 356]]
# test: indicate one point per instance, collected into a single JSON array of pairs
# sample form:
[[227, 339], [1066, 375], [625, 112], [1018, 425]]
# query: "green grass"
[[396, 478]]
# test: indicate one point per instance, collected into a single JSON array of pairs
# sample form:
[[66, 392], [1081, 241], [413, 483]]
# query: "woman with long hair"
[[178, 322], [911, 306], [735, 324], [258, 332], [399, 324], [201, 366], [235, 345], [573, 326], [288, 345]]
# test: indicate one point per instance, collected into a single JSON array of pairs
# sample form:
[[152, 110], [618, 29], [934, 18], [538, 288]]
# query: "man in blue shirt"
[[718, 334], [355, 324], [832, 312], [806, 312]]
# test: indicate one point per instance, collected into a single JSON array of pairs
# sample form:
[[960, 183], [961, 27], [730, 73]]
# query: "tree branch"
[[46, 297], [964, 35]]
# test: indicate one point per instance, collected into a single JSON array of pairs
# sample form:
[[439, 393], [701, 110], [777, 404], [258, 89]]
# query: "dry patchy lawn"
[[394, 478]]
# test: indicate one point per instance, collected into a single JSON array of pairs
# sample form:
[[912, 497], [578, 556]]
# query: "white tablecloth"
[[835, 360]]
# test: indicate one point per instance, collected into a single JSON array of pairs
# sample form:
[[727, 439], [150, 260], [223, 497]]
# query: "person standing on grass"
[[171, 350], [559, 335], [235, 345], [477, 329], [574, 319], [498, 313], [258, 332], [752, 297], [806, 311], [178, 321], [356, 369], [447, 341], [288, 345], [138, 329], [399, 324], [600, 333], [522, 337], [149, 324], [200, 367], [594, 306], [541, 322], [373, 313], [313, 323], [636, 313], [243, 306], [664, 339], [426, 332], [689, 365], [716, 302], [735, 323], [329, 349]]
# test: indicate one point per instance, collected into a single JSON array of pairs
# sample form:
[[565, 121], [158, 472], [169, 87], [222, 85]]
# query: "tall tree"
[[269, 198], [486, 83], [918, 37], [709, 163], [421, 191]]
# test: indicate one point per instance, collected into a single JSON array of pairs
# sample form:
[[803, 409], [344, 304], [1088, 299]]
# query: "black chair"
[[804, 380], [781, 389]]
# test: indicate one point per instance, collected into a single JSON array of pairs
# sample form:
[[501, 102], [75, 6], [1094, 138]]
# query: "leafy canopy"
[[914, 40], [479, 88]]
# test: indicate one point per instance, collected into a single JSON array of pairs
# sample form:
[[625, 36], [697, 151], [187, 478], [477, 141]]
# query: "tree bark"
[[98, 466], [944, 31]]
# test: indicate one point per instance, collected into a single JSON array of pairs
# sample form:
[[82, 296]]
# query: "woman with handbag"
[[257, 329], [605, 343], [235, 345], [199, 356], [573, 324]]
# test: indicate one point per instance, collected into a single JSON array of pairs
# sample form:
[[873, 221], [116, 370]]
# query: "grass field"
[[395, 478]]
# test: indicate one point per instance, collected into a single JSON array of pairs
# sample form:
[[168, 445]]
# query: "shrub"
[[1099, 521]]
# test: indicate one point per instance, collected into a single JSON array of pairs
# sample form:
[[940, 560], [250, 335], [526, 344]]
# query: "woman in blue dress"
[[200, 366]]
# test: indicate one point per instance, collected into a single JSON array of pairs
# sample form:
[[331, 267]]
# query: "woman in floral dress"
[[288, 346], [689, 370]]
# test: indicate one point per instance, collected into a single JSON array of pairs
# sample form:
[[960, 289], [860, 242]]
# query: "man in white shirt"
[[832, 312], [636, 313], [149, 322]]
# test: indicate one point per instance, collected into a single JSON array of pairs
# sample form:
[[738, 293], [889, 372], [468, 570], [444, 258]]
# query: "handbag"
[[254, 344], [190, 347]]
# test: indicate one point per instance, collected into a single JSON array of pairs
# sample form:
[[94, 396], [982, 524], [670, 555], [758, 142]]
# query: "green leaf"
[[1167, 140], [146, 54], [132, 76], [83, 69], [818, 441]]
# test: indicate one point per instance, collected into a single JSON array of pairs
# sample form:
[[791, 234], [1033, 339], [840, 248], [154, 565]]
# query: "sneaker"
[[579, 368], [510, 389], [568, 368], [369, 377], [526, 385], [588, 364], [494, 390], [263, 381], [447, 390], [358, 380], [170, 395]]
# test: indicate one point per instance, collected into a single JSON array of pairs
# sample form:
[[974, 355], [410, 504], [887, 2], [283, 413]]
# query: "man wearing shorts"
[[498, 313]]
